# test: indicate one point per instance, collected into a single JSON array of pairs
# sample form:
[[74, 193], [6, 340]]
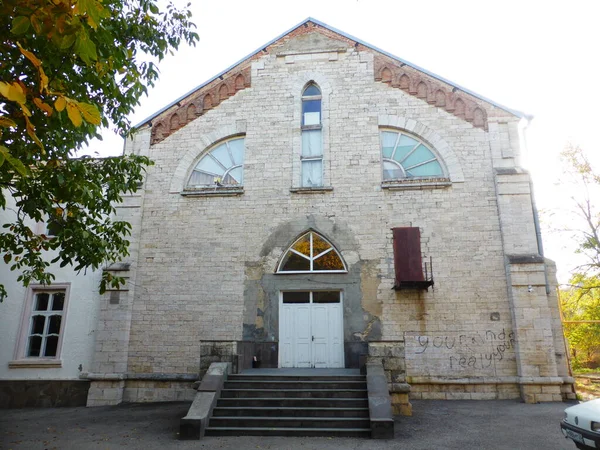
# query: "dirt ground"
[[481, 425], [587, 385]]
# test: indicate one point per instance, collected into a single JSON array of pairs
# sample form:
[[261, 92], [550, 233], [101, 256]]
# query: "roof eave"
[[514, 112]]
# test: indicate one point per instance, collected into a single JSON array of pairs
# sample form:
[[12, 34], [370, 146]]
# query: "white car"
[[582, 424]]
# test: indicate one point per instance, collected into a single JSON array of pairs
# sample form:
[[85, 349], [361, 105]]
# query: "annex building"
[[319, 204]]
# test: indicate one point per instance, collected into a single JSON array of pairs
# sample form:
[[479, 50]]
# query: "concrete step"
[[291, 402], [244, 377], [289, 422], [295, 384], [295, 393], [262, 431], [257, 411]]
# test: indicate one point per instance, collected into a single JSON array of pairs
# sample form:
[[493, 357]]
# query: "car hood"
[[590, 408]]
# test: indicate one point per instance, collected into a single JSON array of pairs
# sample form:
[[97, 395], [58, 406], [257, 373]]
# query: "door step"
[[292, 405], [263, 431]]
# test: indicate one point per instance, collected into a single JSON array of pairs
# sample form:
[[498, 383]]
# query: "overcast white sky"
[[539, 57]]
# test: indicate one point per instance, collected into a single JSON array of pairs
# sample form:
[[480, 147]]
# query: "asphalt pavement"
[[481, 425]]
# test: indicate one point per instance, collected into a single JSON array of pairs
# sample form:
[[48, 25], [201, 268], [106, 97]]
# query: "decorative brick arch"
[[198, 103], [196, 151], [449, 158], [431, 90]]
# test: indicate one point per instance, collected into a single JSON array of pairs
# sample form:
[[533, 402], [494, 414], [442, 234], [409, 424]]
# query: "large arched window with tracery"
[[223, 165], [311, 252], [405, 156]]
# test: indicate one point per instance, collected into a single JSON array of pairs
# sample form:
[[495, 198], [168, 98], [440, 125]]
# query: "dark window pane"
[[303, 245], [51, 345], [41, 302], [58, 301], [311, 112], [37, 324], [294, 262], [53, 227], [54, 325], [311, 90], [329, 261], [326, 297], [296, 297], [35, 343]]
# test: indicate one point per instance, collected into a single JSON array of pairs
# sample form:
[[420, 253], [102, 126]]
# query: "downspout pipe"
[[536, 218]]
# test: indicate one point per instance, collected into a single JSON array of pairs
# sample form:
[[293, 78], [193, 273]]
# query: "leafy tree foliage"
[[584, 181], [69, 67], [581, 307]]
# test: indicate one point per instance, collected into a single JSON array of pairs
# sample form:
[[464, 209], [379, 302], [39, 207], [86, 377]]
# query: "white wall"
[[79, 320]]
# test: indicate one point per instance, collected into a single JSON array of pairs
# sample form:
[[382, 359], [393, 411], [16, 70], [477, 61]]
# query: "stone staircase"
[[292, 405]]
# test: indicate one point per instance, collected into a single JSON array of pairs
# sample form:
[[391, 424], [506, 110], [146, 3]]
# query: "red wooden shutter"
[[407, 254]]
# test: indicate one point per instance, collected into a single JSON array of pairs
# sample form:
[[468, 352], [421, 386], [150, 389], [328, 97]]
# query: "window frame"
[[20, 355], [311, 128], [217, 186], [312, 257], [444, 177]]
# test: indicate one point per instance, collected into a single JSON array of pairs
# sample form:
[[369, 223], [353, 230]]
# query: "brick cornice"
[[435, 92], [201, 101]]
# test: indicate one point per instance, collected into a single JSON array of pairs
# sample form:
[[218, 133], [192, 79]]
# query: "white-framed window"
[[312, 253], [43, 323], [222, 165], [407, 157], [312, 138]]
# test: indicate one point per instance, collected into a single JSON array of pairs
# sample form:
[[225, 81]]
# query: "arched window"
[[223, 165], [312, 140], [311, 252], [405, 156]]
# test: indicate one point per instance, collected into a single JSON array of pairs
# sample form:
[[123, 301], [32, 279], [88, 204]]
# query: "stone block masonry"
[[203, 267]]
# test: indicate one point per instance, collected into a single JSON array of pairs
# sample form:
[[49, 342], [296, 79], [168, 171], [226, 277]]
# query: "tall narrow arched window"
[[311, 252], [312, 137]]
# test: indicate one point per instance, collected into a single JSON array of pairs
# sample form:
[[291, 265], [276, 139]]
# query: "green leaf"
[[20, 25], [85, 48], [17, 165]]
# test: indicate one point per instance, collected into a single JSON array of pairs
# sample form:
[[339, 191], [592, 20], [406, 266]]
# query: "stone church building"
[[319, 204]]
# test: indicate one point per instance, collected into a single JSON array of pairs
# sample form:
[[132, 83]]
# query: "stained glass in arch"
[[311, 253]]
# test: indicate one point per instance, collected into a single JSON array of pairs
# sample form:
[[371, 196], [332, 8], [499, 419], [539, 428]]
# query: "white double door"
[[311, 331]]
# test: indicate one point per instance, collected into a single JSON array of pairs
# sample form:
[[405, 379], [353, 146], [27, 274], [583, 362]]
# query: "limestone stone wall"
[[197, 252]]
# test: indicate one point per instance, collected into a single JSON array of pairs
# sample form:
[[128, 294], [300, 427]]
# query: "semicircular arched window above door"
[[311, 252]]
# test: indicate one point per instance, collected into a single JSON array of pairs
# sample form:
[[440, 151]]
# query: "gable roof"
[[358, 42]]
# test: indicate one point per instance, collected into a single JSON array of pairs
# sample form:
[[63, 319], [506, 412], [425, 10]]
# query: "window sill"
[[311, 190], [217, 191], [35, 364], [419, 183]]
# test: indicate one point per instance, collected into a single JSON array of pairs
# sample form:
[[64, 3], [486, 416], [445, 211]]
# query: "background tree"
[[580, 306], [68, 67], [580, 303], [581, 179]]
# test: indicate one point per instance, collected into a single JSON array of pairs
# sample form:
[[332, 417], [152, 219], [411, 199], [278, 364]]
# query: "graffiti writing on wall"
[[470, 352]]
